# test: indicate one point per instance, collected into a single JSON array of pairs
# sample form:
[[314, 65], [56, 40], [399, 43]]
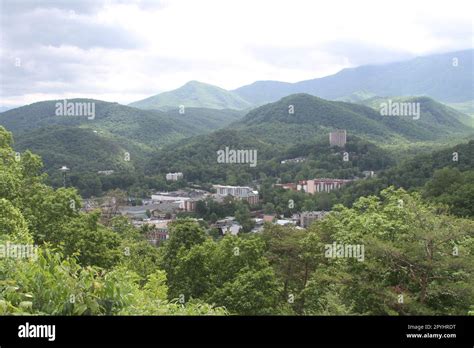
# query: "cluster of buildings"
[[162, 208], [314, 186], [299, 220]]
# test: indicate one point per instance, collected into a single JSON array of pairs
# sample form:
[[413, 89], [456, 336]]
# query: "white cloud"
[[125, 51]]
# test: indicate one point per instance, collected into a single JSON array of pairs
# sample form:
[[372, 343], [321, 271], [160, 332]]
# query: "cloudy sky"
[[128, 50]]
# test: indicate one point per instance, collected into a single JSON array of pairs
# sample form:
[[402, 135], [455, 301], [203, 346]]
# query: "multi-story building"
[[186, 201], [241, 192], [338, 138], [307, 217], [321, 185], [158, 232], [174, 176]]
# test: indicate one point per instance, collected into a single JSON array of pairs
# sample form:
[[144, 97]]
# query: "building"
[[337, 138], [174, 176], [269, 217], [308, 217], [140, 212], [186, 201], [158, 232], [368, 174], [284, 222], [241, 192], [289, 186], [228, 226], [321, 185]]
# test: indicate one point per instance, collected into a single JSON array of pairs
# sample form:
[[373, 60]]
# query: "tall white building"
[[174, 176], [338, 138]]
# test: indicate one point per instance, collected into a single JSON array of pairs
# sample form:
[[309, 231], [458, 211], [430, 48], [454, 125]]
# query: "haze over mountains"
[[444, 77]]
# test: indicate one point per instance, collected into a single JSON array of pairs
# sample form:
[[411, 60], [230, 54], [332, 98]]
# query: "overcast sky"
[[128, 50]]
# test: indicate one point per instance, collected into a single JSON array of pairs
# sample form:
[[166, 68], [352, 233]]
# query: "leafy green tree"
[[415, 255], [242, 215], [232, 272], [183, 235]]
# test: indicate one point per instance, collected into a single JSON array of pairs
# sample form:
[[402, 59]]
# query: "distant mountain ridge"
[[194, 94], [445, 77]]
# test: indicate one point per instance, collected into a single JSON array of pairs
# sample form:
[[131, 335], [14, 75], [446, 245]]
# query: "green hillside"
[[149, 128], [194, 94], [277, 134], [80, 148], [197, 159], [315, 117], [430, 107]]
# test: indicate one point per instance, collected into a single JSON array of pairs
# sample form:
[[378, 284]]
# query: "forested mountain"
[[147, 127], [314, 116], [276, 132], [79, 149], [445, 77], [194, 94], [433, 110]]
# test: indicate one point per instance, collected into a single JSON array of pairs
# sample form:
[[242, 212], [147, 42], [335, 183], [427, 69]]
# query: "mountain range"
[[159, 125], [444, 77]]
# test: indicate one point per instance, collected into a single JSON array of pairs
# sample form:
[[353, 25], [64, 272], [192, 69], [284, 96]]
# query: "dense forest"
[[417, 253]]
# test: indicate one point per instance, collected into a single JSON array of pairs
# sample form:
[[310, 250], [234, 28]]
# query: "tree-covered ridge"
[[433, 111], [197, 157], [77, 148], [149, 128], [89, 145], [318, 116], [194, 94], [444, 176]]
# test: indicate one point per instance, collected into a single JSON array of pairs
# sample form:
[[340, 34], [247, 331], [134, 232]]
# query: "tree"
[[231, 272], [242, 215], [183, 235], [418, 260]]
